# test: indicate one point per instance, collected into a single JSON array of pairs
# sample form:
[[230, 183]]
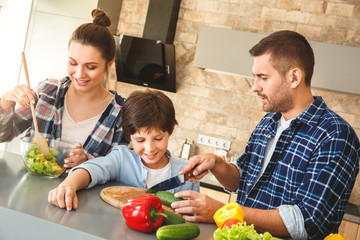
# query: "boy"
[[148, 121]]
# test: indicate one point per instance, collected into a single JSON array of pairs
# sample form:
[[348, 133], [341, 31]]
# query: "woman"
[[77, 109]]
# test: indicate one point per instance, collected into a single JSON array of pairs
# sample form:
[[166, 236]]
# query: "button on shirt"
[[313, 167]]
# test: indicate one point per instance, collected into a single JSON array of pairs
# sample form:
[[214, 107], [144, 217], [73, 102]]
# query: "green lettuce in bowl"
[[50, 165]]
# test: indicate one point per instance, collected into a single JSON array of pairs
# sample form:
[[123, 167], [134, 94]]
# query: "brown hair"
[[288, 49], [97, 34], [151, 109]]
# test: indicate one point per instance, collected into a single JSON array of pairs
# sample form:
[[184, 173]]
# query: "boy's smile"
[[151, 146]]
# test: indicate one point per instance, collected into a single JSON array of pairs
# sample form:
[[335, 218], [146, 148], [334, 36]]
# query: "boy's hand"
[[64, 196]]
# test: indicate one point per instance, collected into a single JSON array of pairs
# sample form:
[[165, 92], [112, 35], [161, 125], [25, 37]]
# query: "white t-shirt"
[[282, 125], [75, 132], [156, 176]]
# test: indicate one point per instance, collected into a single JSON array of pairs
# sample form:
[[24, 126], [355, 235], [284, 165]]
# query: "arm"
[[65, 194], [204, 206], [227, 174], [266, 221], [14, 122], [327, 186], [199, 207]]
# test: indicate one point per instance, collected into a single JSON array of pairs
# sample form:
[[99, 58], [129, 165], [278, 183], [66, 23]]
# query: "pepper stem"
[[154, 214]]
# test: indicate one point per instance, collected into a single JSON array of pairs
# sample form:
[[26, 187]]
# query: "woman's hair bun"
[[100, 18]]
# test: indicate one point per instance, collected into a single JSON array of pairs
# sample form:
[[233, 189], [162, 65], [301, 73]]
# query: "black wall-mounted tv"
[[145, 62]]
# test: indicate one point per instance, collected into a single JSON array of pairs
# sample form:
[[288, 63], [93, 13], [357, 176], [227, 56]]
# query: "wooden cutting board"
[[117, 196]]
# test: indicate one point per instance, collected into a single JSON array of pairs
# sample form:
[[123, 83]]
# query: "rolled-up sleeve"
[[294, 221], [101, 169]]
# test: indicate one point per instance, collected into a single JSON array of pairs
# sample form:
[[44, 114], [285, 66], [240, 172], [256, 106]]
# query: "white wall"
[[12, 40], [51, 24], [42, 29], [14, 20]]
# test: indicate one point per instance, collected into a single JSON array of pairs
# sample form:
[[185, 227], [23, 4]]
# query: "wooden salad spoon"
[[38, 139]]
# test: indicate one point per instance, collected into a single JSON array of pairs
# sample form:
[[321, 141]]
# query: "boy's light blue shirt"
[[125, 166]]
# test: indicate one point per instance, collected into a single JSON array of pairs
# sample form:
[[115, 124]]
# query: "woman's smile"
[[81, 82]]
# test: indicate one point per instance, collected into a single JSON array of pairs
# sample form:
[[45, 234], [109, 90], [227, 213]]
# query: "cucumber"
[[167, 198], [150, 191], [172, 218], [178, 231]]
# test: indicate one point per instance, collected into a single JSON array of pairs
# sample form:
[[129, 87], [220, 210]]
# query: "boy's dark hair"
[[151, 109], [288, 49]]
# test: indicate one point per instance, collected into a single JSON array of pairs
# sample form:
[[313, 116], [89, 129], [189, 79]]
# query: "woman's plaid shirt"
[[49, 105]]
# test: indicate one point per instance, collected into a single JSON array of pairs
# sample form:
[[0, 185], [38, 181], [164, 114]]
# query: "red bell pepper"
[[144, 213], [230, 222]]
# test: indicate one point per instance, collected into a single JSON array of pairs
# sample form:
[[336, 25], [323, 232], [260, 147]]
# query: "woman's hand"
[[64, 196], [197, 207], [21, 94], [77, 156]]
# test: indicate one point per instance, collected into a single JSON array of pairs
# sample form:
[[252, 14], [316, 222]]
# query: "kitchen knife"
[[172, 182]]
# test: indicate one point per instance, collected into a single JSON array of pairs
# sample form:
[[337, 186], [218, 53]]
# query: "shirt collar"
[[310, 116], [313, 112]]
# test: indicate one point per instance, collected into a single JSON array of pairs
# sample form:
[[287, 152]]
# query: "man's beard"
[[281, 102]]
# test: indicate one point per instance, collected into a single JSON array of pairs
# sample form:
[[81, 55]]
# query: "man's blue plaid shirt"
[[314, 166]]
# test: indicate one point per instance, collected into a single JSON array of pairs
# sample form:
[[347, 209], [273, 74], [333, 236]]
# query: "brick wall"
[[222, 105]]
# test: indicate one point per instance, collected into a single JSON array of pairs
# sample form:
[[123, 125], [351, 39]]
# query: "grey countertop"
[[23, 205]]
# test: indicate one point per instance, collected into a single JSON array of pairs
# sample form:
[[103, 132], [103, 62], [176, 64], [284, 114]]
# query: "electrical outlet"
[[213, 142]]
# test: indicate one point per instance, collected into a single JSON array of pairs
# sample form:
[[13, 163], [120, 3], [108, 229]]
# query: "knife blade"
[[172, 182]]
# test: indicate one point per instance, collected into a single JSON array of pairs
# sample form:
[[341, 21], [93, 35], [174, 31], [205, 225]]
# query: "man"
[[301, 161]]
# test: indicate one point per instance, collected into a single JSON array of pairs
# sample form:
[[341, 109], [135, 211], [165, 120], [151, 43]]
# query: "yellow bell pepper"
[[335, 237], [228, 211]]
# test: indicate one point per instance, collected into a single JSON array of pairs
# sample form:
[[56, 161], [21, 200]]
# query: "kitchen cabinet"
[[226, 50], [220, 196], [233, 197], [349, 230]]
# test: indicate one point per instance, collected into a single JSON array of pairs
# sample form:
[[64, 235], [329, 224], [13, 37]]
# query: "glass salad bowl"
[[50, 165]]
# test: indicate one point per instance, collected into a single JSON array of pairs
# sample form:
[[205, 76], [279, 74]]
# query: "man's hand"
[[197, 207], [200, 165]]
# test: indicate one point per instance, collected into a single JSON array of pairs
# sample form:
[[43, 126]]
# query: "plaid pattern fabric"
[[314, 166], [50, 95]]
